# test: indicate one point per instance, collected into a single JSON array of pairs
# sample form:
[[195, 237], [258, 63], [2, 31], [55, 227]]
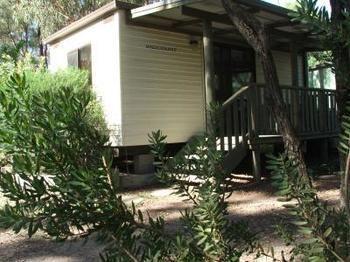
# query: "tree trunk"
[[341, 57], [255, 34], [26, 39], [41, 46]]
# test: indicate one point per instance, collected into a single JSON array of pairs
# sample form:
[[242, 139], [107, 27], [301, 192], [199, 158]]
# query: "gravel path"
[[255, 203]]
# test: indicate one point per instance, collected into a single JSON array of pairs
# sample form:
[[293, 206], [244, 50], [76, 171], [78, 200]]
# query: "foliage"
[[344, 148], [197, 174], [324, 230], [12, 51], [54, 14], [208, 234], [39, 79], [316, 59], [344, 145], [334, 29], [308, 12], [7, 27], [333, 32], [51, 157], [56, 173], [27, 64], [30, 21]]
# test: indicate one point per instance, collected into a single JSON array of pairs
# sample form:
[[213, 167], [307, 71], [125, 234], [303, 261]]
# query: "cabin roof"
[[187, 16]]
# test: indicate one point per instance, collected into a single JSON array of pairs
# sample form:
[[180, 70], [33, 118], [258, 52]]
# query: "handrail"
[[234, 96], [235, 120], [286, 87]]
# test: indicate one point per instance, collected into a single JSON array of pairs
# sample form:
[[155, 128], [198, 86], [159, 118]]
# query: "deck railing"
[[246, 116], [311, 111]]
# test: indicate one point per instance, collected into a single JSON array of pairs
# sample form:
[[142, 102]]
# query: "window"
[[81, 58]]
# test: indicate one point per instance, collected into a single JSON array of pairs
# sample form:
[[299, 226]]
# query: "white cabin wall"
[[104, 39], [161, 89]]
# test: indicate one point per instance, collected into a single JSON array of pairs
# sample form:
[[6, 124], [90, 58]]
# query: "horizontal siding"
[[161, 89], [103, 36], [283, 64]]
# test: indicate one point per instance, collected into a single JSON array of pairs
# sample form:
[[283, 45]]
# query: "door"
[[234, 68]]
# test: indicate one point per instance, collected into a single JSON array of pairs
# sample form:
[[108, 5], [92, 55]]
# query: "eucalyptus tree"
[[333, 29], [257, 36], [32, 20]]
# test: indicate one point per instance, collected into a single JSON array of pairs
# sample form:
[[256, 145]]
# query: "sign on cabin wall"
[[161, 48]]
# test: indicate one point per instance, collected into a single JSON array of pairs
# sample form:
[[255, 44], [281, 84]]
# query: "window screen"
[[81, 58], [85, 58], [73, 58]]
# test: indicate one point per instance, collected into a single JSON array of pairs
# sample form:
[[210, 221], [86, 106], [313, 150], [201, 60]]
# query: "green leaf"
[[327, 232], [300, 223]]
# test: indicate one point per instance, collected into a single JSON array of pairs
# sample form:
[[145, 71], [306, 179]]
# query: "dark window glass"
[[73, 60], [85, 58], [234, 68], [81, 58]]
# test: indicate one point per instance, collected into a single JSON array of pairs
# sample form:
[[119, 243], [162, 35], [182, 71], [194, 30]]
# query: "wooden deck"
[[245, 121]]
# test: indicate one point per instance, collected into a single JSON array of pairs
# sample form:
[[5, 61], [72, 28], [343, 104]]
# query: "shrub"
[[52, 159], [39, 80], [324, 229], [56, 172]]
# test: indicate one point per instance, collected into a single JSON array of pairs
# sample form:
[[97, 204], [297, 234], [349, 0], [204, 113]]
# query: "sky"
[[284, 2]]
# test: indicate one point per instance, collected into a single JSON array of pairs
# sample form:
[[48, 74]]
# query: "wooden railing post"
[[254, 132], [323, 110], [253, 95], [208, 52]]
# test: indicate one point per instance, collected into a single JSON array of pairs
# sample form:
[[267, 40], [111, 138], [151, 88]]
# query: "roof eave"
[[159, 6], [100, 13], [169, 4]]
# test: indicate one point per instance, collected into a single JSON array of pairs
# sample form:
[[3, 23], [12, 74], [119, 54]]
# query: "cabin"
[[159, 65]]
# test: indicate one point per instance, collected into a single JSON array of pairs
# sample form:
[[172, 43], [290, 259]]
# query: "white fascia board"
[[75, 26], [160, 6]]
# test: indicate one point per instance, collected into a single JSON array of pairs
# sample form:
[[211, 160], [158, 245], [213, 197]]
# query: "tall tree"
[[32, 20], [257, 36], [13, 33]]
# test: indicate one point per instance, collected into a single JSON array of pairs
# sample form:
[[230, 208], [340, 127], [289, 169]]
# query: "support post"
[[294, 64], [324, 150], [208, 65], [306, 69], [295, 83], [253, 127], [254, 133], [322, 82], [256, 155]]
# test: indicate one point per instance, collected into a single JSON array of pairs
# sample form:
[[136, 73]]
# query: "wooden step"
[[235, 157]]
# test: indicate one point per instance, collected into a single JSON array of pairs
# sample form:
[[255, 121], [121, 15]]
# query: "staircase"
[[236, 127]]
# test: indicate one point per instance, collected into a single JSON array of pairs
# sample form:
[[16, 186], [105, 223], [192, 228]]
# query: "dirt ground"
[[256, 204]]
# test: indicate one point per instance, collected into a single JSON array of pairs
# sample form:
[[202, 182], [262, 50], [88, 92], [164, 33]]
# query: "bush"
[[325, 230], [56, 172], [53, 160], [39, 80]]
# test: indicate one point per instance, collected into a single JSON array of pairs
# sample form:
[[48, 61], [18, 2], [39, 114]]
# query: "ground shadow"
[[242, 205]]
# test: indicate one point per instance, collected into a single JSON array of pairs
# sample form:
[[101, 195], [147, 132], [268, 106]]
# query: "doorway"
[[234, 68]]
